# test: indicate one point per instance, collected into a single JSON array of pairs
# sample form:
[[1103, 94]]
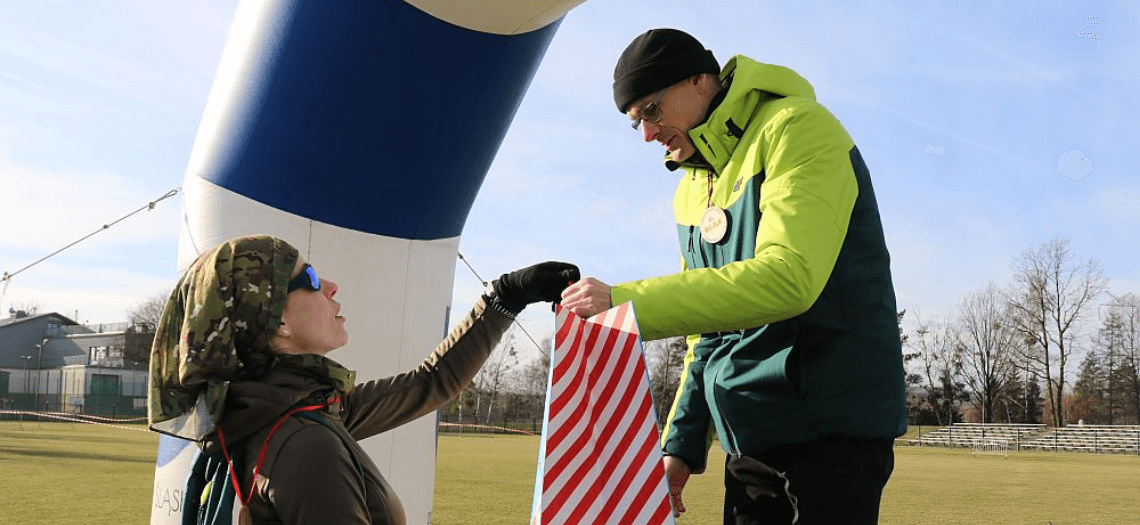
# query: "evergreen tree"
[[1089, 391], [1123, 393]]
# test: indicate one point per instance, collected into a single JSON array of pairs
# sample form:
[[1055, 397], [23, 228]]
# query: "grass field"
[[62, 473], [75, 473]]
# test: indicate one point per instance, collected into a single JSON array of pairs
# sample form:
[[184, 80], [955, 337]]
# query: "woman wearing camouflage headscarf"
[[242, 345]]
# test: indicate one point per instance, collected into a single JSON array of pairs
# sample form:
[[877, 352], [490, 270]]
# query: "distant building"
[[50, 363]]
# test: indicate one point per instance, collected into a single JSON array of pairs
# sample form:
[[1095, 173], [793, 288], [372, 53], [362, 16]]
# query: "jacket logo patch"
[[736, 188]]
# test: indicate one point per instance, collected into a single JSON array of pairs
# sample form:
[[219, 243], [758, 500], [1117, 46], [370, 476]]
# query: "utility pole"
[[39, 368], [1030, 340], [27, 375]]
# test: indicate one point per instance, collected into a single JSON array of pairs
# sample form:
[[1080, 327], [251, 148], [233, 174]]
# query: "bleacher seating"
[[1099, 439], [966, 434]]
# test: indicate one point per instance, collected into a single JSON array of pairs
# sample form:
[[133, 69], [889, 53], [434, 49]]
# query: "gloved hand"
[[541, 282]]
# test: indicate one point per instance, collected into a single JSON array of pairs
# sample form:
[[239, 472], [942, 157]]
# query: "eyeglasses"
[[306, 279], [650, 112]]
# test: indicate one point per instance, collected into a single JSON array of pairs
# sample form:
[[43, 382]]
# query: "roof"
[[16, 320], [20, 337]]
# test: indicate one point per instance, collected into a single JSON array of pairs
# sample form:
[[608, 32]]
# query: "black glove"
[[541, 282]]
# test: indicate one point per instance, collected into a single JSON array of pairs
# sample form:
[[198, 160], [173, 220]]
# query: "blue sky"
[[987, 130]]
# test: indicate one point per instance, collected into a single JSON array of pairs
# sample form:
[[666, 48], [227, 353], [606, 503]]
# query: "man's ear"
[[711, 85]]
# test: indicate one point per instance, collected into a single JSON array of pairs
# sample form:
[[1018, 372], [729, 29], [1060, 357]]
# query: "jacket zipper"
[[700, 248], [700, 245]]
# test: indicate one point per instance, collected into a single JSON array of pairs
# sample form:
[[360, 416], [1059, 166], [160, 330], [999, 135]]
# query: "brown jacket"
[[308, 475]]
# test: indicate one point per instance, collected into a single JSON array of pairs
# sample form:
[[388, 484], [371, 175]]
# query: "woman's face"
[[311, 323]]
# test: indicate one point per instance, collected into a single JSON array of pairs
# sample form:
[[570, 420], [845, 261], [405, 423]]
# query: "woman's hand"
[[540, 282]]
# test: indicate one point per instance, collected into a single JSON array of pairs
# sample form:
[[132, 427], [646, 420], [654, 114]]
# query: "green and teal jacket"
[[790, 317]]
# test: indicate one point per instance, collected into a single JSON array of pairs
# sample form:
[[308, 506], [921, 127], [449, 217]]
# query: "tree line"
[[1007, 354]]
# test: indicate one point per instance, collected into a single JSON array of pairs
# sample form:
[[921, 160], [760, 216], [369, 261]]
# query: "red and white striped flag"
[[600, 458]]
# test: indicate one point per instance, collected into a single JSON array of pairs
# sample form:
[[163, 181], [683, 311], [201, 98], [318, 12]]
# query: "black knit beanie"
[[658, 59]]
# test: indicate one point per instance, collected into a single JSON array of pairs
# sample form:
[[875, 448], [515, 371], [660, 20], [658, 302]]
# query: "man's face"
[[667, 116]]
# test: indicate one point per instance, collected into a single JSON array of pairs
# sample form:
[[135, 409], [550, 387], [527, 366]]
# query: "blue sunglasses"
[[306, 279]]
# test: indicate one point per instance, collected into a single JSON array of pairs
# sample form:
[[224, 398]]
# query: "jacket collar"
[[697, 159], [251, 405], [748, 85]]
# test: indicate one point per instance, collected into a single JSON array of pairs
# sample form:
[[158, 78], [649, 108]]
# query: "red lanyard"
[[264, 448]]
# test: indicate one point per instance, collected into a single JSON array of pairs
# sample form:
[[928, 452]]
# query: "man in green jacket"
[[785, 292]]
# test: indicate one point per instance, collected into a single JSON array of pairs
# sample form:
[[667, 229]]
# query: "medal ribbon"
[[264, 447]]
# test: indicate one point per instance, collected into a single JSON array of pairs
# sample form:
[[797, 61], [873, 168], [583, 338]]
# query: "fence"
[[20, 417], [990, 446], [469, 428], [110, 391], [453, 423]]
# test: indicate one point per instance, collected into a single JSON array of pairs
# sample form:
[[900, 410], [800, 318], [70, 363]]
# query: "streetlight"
[[27, 375], [39, 367]]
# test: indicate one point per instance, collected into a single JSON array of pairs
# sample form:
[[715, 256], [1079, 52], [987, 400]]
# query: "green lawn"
[[62, 473], [54, 473], [493, 478]]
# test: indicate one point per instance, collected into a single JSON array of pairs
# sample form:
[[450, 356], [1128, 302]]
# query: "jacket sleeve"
[[384, 404], [805, 205], [688, 429]]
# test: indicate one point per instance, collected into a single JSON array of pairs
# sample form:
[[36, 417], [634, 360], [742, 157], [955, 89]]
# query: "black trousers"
[[833, 481]]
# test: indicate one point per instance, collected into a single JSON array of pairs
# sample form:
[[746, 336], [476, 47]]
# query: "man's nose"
[[649, 130]]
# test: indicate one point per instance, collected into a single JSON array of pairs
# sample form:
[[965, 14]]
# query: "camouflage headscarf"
[[228, 302]]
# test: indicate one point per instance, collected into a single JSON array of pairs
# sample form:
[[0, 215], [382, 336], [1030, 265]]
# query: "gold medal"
[[714, 225], [244, 517]]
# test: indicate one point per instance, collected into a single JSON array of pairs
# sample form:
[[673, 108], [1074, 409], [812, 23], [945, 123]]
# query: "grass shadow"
[[72, 455]]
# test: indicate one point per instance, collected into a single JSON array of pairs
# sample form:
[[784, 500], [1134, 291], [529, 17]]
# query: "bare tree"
[[989, 343], [495, 375], [534, 377], [939, 357], [147, 313], [1053, 290], [912, 379], [665, 359], [144, 318], [1024, 392], [1126, 309]]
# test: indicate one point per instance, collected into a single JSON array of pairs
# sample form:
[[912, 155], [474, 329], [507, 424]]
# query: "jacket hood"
[[253, 405], [774, 79]]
